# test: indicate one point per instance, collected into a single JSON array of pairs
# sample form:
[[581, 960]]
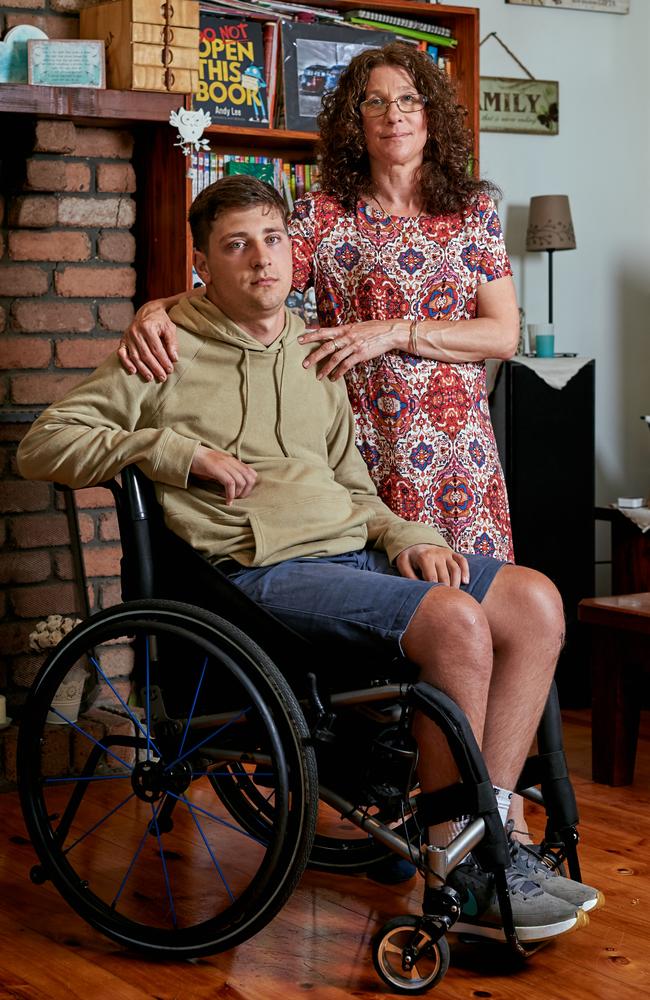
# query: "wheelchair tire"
[[130, 830]]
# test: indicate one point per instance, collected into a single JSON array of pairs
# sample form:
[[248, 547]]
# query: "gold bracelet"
[[413, 338]]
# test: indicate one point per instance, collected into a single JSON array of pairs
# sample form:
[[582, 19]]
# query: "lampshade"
[[549, 223]]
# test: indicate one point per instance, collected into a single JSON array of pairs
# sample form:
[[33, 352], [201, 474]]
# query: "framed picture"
[[531, 107], [607, 6], [66, 62], [313, 57]]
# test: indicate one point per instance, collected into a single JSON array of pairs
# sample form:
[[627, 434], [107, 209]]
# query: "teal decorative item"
[[66, 62], [13, 52]]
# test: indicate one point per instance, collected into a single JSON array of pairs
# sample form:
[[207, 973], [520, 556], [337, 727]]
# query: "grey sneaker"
[[537, 915], [528, 862]]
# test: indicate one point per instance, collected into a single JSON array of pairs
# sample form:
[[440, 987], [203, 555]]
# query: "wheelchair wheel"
[[128, 827], [407, 958]]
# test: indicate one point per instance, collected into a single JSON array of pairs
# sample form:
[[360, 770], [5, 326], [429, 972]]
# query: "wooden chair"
[[620, 628]]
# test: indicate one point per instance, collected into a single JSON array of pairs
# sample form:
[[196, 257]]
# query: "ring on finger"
[[336, 344]]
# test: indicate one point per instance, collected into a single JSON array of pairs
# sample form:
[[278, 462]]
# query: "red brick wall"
[[66, 285]]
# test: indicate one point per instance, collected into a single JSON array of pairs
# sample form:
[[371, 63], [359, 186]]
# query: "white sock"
[[504, 798]]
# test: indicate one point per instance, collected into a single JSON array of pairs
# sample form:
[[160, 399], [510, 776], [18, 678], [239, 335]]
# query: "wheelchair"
[[189, 811]]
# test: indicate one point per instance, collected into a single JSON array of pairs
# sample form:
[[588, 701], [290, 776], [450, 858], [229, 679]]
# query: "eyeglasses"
[[376, 106]]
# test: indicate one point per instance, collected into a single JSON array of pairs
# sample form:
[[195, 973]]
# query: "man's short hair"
[[239, 191]]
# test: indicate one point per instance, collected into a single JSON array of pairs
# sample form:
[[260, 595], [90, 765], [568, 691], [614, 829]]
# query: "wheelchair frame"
[[308, 725]]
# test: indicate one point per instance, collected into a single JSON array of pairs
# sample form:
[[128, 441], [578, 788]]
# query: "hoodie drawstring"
[[242, 430], [280, 360], [279, 384]]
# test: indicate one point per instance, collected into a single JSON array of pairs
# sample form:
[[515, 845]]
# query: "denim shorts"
[[357, 597]]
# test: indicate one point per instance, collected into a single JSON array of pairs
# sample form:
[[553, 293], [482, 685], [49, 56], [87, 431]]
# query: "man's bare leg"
[[448, 638], [526, 620], [496, 660]]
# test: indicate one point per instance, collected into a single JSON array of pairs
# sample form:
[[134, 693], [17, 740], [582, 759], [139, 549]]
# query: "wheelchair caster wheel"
[[406, 957]]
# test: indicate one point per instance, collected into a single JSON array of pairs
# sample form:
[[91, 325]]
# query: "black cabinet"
[[545, 438]]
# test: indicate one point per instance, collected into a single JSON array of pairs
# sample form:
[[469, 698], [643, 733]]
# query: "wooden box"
[[150, 45]]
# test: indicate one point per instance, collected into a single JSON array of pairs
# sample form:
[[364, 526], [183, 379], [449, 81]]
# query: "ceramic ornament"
[[13, 52], [190, 125]]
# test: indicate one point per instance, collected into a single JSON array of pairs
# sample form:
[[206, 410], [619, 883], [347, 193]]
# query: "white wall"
[[601, 159]]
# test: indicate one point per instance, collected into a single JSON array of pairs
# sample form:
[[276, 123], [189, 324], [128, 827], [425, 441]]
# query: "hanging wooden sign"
[[527, 106], [607, 6]]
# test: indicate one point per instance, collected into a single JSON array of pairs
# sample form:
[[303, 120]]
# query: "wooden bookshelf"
[[165, 250]]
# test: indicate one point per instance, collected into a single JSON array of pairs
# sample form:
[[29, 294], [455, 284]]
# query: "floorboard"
[[318, 947]]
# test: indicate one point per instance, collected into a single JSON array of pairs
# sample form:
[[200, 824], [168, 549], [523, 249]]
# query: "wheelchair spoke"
[[134, 719], [191, 712], [91, 738], [135, 857], [164, 865], [210, 852], [99, 822], [197, 746], [218, 819]]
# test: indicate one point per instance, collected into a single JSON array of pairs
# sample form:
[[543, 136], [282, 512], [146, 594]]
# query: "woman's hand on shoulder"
[[342, 347], [149, 346]]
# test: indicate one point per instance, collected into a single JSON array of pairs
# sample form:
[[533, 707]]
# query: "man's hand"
[[433, 563], [237, 478]]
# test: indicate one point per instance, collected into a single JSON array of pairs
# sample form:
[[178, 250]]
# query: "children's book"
[[232, 84]]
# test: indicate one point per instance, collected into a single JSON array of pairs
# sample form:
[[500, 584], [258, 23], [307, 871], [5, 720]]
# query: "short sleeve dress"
[[423, 426]]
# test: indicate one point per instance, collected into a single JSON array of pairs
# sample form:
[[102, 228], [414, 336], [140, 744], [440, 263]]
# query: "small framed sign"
[[66, 62], [526, 106]]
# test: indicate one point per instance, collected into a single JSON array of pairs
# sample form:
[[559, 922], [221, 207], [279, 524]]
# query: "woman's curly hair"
[[447, 184]]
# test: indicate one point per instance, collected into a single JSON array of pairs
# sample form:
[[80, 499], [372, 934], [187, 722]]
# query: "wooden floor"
[[318, 947]]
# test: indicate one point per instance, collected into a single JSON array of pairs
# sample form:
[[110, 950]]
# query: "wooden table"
[[620, 628]]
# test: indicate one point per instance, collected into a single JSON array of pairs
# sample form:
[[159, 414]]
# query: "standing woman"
[[405, 250]]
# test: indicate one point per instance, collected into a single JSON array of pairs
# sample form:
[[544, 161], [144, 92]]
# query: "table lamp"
[[550, 228]]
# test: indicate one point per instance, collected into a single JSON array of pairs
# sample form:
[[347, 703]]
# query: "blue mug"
[[545, 345]]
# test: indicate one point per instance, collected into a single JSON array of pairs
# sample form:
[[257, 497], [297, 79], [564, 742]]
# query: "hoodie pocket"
[[305, 528]]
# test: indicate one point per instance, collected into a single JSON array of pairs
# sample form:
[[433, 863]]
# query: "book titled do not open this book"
[[232, 84]]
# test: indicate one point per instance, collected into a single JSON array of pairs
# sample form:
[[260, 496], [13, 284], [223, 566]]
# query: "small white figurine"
[[190, 125]]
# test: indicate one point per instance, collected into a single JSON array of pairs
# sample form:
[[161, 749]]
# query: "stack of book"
[[268, 63]]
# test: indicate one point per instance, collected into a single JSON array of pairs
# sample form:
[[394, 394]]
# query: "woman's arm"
[[493, 334], [148, 345]]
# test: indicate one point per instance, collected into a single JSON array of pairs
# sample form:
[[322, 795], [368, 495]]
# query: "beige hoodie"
[[313, 495]]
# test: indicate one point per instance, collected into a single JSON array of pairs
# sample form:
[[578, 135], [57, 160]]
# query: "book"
[[271, 37], [264, 9], [313, 58], [264, 171], [404, 22], [427, 36], [232, 86]]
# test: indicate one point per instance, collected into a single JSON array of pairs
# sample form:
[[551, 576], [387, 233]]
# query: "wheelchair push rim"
[[131, 832]]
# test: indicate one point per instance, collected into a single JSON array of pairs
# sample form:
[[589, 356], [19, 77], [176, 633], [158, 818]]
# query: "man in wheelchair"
[[255, 465]]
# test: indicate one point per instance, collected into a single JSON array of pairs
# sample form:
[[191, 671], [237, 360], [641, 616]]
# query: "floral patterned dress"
[[423, 426]]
